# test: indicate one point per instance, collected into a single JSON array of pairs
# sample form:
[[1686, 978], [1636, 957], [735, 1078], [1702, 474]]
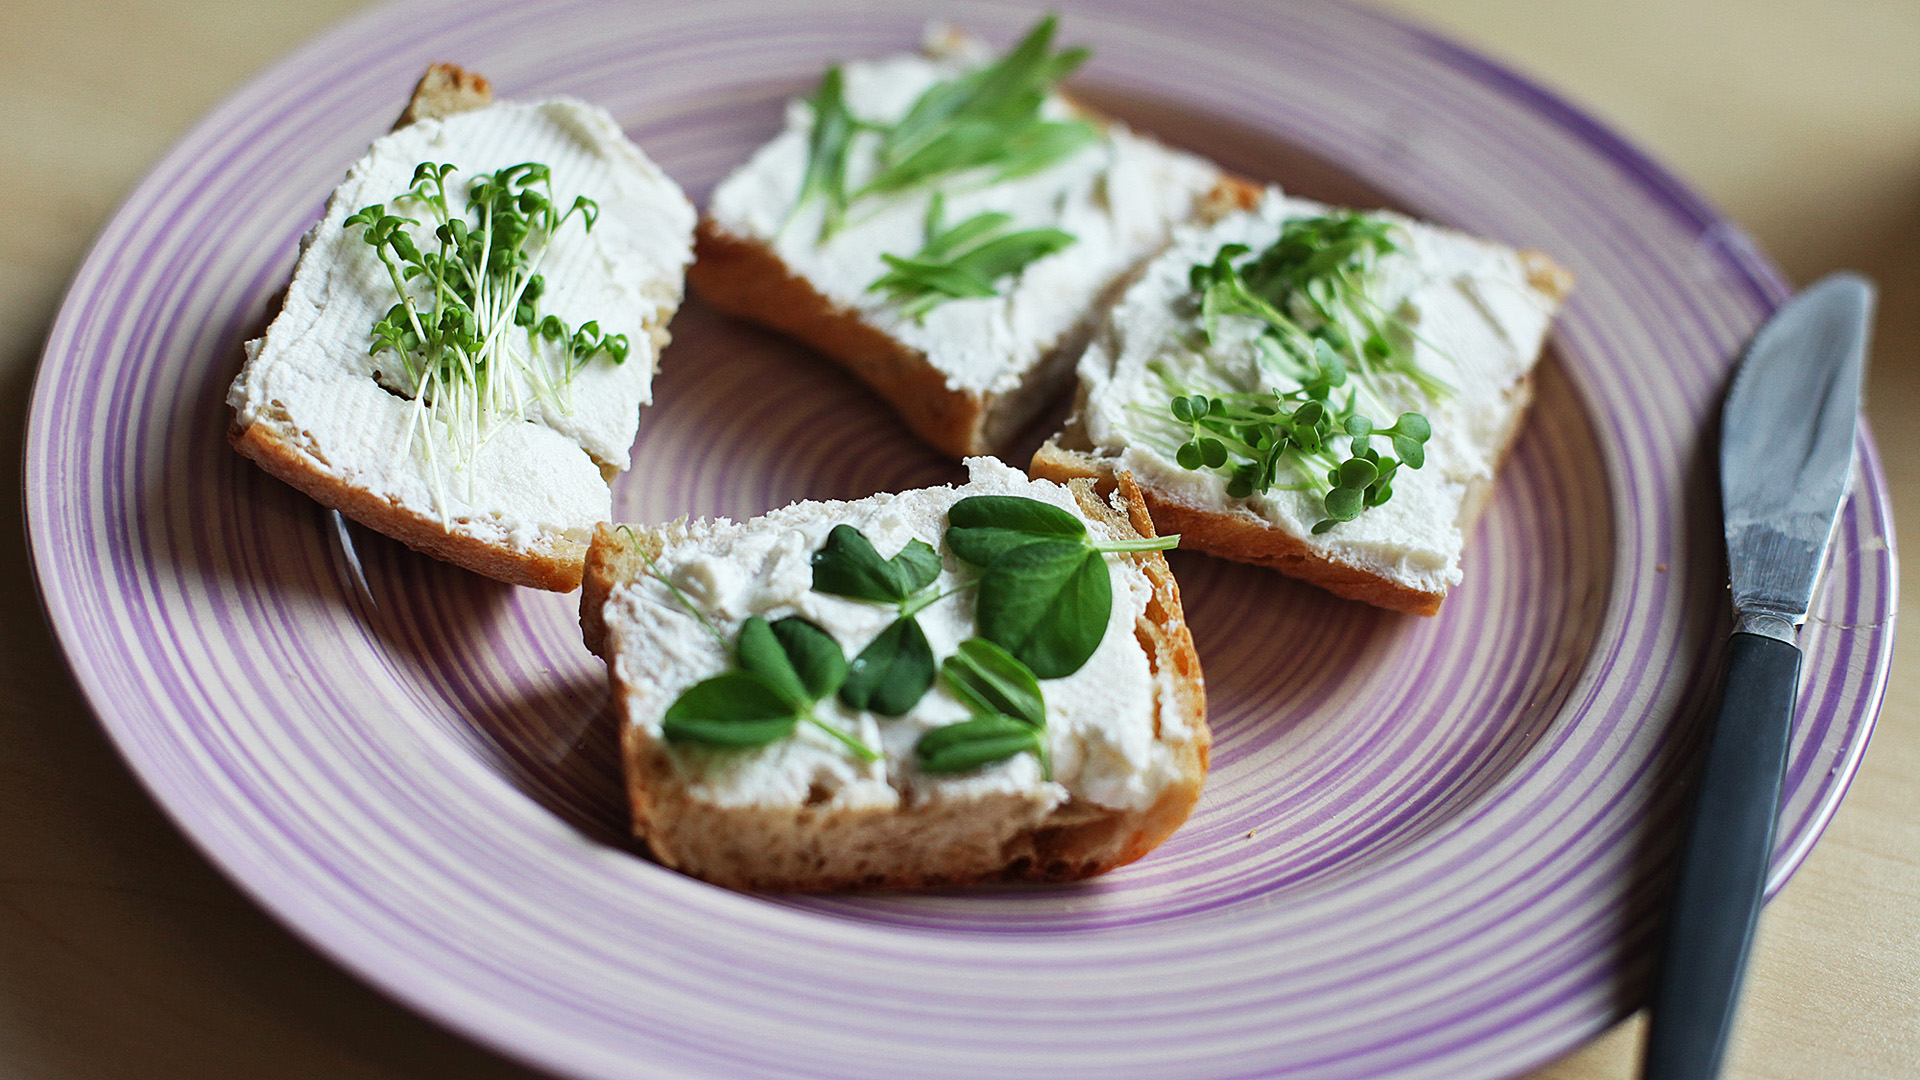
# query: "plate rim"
[[1761, 276]]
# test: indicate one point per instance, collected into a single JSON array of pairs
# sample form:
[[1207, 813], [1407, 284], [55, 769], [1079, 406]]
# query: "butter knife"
[[1786, 459]]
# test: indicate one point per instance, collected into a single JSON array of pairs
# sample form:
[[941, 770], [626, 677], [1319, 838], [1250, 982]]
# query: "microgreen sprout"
[[1323, 333], [896, 668], [784, 669], [467, 323], [966, 260]]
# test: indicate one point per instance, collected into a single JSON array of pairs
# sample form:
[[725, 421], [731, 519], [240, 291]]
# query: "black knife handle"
[[1723, 863]]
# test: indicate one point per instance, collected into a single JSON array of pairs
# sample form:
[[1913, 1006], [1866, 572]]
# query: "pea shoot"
[[1042, 606]]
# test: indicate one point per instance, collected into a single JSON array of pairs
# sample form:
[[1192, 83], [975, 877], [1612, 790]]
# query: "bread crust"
[[1237, 533], [935, 844], [554, 562]]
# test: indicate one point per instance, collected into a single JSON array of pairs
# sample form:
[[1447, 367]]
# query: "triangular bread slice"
[[314, 407]]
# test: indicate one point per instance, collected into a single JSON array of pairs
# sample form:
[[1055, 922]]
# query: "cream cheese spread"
[[1478, 327], [312, 378], [1118, 197], [1104, 722]]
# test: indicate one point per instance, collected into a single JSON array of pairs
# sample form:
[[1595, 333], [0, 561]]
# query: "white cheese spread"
[[312, 377], [1118, 197], [1101, 720], [1478, 327]]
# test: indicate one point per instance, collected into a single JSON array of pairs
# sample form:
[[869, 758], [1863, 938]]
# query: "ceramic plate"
[[1427, 848]]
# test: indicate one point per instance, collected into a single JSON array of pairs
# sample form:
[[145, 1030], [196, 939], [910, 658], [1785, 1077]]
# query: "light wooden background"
[[123, 954]]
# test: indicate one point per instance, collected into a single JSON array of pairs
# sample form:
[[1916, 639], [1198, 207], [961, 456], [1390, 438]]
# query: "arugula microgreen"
[[896, 668], [467, 323], [985, 122], [1046, 593], [964, 261], [1321, 327], [987, 118], [833, 129]]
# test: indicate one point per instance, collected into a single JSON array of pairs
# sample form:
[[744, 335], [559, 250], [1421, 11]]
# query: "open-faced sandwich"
[[1318, 390], [949, 227], [941, 686], [472, 329]]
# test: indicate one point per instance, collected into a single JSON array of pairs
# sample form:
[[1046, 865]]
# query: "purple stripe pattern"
[[1428, 848]]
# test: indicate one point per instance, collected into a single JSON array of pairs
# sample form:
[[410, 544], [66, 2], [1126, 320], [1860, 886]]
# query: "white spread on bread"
[[1478, 327], [1118, 197], [312, 376], [1110, 724]]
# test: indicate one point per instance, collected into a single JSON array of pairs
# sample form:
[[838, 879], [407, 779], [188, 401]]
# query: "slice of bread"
[[1127, 732], [1478, 315], [517, 498], [973, 372]]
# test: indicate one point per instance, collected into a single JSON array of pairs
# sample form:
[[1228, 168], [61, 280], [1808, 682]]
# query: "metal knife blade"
[[1786, 448], [1786, 458]]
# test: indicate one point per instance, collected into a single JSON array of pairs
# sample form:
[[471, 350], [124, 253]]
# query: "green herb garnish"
[[1009, 714], [977, 742], [1046, 594], [987, 118], [989, 679], [1311, 290], [467, 324], [896, 668], [833, 130], [963, 261], [786, 669]]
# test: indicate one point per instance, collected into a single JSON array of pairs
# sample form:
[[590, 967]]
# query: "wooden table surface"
[[124, 954]]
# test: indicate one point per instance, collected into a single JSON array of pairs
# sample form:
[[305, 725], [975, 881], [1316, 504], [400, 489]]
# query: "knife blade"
[[1786, 462]]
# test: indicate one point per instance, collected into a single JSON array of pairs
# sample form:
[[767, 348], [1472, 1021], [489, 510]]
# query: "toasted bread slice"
[[1477, 314], [1128, 734], [516, 496], [968, 375]]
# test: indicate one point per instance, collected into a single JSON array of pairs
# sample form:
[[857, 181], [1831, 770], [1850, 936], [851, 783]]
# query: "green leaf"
[[943, 271], [815, 656], [892, 673], [738, 708], [1047, 603], [1345, 504], [1007, 255], [972, 744], [989, 116], [795, 656], [1411, 450], [757, 650], [942, 241], [980, 528], [989, 679], [847, 565], [832, 134]]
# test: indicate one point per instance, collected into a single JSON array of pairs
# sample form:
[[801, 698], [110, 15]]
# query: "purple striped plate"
[[1429, 848]]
